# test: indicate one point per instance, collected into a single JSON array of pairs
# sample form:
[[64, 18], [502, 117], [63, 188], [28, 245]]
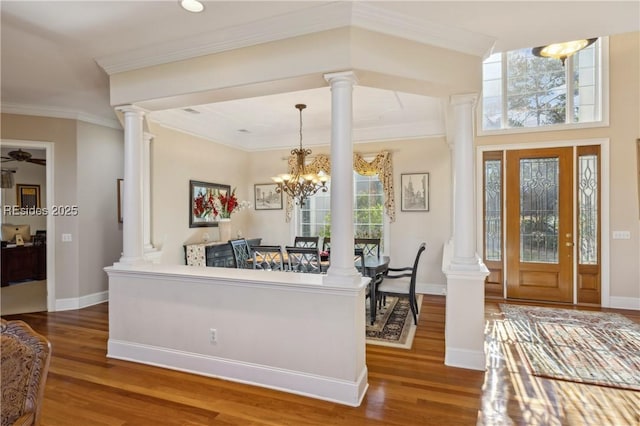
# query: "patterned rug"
[[580, 346], [394, 324]]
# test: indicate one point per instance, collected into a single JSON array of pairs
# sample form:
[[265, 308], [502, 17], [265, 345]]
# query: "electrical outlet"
[[213, 335], [66, 238], [621, 235]]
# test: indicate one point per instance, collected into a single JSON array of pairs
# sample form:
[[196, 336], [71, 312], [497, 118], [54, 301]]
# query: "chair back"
[[268, 258], [25, 364], [241, 253], [358, 260], [326, 244], [370, 246], [409, 272], [307, 242], [304, 259]]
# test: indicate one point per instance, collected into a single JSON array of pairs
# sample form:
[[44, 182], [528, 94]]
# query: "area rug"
[[394, 325], [598, 348]]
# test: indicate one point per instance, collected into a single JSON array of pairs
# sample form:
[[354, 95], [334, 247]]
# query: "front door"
[[539, 239]]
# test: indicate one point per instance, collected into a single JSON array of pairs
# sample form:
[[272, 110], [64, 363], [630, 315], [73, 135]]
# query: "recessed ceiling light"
[[192, 5]]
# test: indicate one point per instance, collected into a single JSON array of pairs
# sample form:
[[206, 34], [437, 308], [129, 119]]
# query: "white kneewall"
[[278, 330]]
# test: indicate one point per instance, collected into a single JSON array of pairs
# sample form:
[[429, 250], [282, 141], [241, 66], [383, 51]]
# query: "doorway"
[[542, 222], [44, 290]]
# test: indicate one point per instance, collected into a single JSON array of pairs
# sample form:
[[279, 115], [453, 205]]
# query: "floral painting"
[[204, 202], [211, 202]]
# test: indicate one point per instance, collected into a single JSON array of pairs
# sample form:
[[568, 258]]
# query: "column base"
[[347, 276]]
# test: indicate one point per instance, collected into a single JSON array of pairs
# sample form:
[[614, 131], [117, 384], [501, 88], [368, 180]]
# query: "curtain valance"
[[381, 165]]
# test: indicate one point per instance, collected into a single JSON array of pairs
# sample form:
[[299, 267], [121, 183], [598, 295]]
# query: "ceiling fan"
[[21, 155]]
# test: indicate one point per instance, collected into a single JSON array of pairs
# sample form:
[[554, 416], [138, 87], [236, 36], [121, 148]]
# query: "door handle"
[[569, 244]]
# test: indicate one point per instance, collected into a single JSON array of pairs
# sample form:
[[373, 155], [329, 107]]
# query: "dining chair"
[[268, 258], [326, 244], [306, 242], [304, 259], [370, 246], [241, 253], [401, 282]]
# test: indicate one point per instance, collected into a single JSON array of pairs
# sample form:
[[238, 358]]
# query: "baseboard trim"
[[82, 301], [435, 289], [624, 302], [464, 358], [324, 388]]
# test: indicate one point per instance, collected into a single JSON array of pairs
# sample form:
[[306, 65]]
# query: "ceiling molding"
[[306, 21], [378, 19], [39, 111]]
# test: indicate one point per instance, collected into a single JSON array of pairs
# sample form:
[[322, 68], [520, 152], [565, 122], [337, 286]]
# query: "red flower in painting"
[[204, 205], [229, 204]]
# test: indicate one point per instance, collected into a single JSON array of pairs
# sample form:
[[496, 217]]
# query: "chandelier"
[[301, 184]]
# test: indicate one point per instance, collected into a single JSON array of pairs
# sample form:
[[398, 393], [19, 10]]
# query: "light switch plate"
[[66, 238]]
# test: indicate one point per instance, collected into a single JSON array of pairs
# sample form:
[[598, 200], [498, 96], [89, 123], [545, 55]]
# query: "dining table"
[[374, 267]]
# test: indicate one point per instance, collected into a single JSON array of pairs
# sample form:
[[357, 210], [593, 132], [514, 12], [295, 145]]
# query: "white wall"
[[100, 163], [177, 158]]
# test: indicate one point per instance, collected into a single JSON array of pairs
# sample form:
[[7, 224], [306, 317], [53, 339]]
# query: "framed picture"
[[266, 197], [28, 195], [414, 194], [120, 198], [201, 197]]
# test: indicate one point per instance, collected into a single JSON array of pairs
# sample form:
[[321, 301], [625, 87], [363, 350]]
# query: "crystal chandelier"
[[301, 184]]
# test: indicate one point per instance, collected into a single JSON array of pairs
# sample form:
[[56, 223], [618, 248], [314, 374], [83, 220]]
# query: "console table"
[[216, 253], [28, 262]]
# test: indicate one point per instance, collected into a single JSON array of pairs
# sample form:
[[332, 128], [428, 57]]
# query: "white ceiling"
[[49, 51]]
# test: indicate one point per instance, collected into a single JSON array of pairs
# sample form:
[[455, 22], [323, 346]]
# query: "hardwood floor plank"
[[406, 387]]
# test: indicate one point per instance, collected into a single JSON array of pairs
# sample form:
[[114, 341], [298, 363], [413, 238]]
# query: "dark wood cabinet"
[[24, 263], [219, 254]]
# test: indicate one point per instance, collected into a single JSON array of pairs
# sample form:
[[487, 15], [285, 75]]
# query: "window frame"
[[297, 213], [604, 95]]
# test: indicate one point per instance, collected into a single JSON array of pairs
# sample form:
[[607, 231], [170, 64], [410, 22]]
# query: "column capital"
[[462, 99], [148, 137], [347, 76], [131, 109]]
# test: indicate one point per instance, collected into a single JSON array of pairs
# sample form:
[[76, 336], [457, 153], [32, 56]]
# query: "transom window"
[[524, 91], [368, 221]]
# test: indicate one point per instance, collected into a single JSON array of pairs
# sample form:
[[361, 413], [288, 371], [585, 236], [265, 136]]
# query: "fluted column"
[[464, 247], [132, 227], [464, 319], [342, 269], [146, 191]]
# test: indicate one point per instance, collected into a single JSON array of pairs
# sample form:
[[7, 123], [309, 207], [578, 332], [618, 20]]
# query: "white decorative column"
[[342, 269], [146, 192], [464, 324], [132, 227]]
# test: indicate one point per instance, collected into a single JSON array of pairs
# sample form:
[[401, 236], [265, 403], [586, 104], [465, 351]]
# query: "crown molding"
[[38, 111], [307, 21], [374, 18]]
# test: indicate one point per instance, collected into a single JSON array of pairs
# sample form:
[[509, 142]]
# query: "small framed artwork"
[[202, 196], [414, 194], [266, 197], [120, 198], [28, 195]]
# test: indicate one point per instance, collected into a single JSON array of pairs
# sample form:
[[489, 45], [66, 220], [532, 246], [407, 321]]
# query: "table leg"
[[372, 300]]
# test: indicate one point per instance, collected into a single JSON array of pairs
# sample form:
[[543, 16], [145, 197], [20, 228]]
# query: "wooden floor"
[[406, 387]]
